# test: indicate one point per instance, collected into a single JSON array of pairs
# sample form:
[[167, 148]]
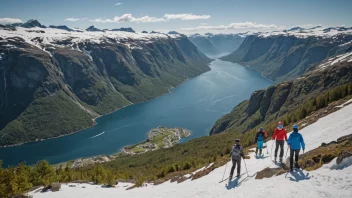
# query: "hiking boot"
[[280, 160], [275, 160], [230, 177], [238, 175], [296, 165], [291, 169], [260, 152]]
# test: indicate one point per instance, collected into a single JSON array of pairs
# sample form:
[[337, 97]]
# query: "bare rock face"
[[203, 173], [267, 173], [342, 156], [54, 187]]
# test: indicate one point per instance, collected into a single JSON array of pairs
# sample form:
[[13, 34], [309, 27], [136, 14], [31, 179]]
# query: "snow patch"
[[344, 164]]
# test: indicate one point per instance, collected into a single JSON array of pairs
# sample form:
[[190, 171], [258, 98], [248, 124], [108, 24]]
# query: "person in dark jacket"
[[295, 142], [259, 139], [236, 154], [280, 137]]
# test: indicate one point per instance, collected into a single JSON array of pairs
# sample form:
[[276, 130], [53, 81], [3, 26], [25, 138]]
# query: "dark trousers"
[[234, 162], [281, 144], [293, 153]]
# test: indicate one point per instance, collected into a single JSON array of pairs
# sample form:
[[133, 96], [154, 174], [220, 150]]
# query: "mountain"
[[203, 44], [124, 29], [32, 23], [93, 29], [286, 55], [61, 27], [286, 98], [217, 43], [54, 82]]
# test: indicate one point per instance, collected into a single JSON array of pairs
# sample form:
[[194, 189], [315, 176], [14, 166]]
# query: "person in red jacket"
[[280, 137]]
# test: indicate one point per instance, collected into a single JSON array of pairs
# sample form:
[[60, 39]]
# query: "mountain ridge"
[[72, 77]]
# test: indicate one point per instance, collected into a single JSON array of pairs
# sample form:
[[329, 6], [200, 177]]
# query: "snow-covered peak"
[[317, 31], [54, 37]]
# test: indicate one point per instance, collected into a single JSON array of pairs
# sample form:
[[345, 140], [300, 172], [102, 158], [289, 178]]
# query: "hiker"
[[259, 139], [236, 154], [295, 142], [280, 137]]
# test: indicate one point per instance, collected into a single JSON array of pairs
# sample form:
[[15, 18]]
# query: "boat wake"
[[97, 135]]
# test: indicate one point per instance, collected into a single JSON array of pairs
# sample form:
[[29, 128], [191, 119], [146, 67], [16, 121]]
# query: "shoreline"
[[95, 118], [123, 151]]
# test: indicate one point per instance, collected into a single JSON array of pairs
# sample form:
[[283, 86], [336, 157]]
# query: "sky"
[[186, 16]]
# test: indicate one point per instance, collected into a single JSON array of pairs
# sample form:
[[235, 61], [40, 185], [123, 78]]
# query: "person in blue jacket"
[[259, 139], [295, 141]]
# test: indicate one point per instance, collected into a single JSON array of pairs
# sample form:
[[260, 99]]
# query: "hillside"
[[55, 81], [291, 100], [213, 44], [286, 55], [331, 180]]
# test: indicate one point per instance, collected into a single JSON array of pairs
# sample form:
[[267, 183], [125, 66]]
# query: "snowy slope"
[[328, 181], [346, 57], [318, 31], [52, 37]]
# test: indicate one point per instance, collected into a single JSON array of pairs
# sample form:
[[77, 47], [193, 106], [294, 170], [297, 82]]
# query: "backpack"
[[260, 136], [236, 151]]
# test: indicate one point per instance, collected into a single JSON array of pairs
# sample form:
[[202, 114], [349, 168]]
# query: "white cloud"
[[203, 24], [129, 18], [118, 4], [75, 19], [9, 20], [148, 19], [232, 26], [186, 16]]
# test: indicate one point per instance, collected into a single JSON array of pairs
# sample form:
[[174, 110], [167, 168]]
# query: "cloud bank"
[[75, 19], [231, 26], [9, 20], [148, 19]]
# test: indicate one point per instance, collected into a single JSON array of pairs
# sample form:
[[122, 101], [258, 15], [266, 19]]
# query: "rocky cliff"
[[286, 55], [267, 105], [54, 82]]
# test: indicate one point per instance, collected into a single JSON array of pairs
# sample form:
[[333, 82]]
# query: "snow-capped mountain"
[[285, 55], [92, 72]]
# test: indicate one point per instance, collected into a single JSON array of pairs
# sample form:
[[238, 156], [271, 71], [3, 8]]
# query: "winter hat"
[[295, 126], [261, 128]]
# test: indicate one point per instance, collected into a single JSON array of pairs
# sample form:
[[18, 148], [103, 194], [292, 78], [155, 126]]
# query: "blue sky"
[[187, 16]]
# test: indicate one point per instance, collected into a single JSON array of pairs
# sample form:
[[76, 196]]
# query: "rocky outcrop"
[[267, 105], [93, 29], [61, 27], [72, 80], [124, 29], [286, 56]]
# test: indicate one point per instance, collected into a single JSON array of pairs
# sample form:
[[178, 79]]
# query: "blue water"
[[195, 105]]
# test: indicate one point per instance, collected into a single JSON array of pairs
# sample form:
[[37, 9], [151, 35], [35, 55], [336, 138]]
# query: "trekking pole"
[[224, 171], [267, 151], [271, 154], [287, 151], [245, 166]]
